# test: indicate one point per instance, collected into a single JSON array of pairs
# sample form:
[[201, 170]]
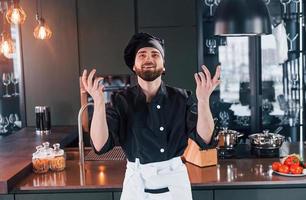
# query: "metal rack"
[[294, 67]]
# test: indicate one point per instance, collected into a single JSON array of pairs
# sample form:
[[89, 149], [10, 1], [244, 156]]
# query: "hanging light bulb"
[[42, 30], [7, 45], [15, 14]]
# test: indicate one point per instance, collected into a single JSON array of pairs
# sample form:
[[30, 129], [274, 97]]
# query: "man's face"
[[149, 64]]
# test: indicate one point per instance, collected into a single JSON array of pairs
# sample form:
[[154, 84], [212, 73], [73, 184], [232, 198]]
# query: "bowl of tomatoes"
[[290, 165]]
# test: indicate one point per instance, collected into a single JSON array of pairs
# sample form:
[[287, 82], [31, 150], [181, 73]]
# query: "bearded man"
[[152, 122]]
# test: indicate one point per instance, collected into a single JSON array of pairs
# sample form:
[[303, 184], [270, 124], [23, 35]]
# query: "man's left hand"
[[206, 84]]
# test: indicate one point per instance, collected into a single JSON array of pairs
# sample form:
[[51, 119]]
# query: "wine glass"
[[224, 119], [211, 44], [285, 2], [12, 119], [267, 2], [17, 122], [16, 116], [211, 4], [291, 40], [296, 5], [217, 2], [223, 41], [294, 81], [15, 81], [3, 124], [6, 80]]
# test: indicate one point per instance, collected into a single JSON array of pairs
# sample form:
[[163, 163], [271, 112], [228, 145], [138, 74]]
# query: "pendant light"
[[15, 14], [42, 30], [7, 45], [242, 18]]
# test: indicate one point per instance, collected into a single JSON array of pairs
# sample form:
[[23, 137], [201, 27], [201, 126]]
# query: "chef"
[[152, 122]]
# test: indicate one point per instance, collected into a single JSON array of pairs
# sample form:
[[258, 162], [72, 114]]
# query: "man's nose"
[[149, 58]]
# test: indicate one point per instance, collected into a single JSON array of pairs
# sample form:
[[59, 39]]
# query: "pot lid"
[[266, 135], [226, 131]]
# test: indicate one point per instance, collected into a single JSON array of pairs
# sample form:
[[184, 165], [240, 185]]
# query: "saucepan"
[[227, 139], [267, 140]]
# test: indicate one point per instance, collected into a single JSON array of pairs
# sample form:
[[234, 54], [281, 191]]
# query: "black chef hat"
[[138, 41]]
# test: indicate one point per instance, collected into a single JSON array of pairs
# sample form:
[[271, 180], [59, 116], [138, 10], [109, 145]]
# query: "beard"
[[149, 74]]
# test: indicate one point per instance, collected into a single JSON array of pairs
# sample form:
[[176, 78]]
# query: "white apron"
[[166, 180]]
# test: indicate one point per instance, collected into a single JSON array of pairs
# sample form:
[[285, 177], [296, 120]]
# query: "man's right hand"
[[98, 123], [92, 86]]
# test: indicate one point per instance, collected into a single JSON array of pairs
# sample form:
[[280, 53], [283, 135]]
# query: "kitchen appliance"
[[43, 120], [244, 150], [265, 153], [227, 153]]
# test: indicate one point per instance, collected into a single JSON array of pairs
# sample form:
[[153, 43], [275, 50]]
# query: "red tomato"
[[276, 165], [292, 160], [284, 169], [295, 161], [294, 169]]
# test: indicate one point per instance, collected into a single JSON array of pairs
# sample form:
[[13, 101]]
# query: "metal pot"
[[266, 140], [228, 139]]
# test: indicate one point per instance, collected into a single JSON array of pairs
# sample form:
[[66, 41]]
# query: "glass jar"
[[47, 150], [40, 162], [58, 161]]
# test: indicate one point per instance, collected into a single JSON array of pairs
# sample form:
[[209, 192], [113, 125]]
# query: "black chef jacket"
[[155, 131]]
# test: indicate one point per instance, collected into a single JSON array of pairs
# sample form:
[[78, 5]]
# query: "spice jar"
[[58, 161], [39, 161]]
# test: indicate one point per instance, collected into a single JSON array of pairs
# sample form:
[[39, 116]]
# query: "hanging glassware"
[[291, 41], [267, 2], [15, 14], [211, 44], [296, 2], [210, 4], [285, 2]]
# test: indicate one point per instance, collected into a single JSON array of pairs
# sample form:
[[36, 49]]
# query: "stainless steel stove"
[[246, 151]]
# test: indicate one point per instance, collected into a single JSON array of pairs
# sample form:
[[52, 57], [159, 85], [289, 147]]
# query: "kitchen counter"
[[230, 179], [235, 178], [100, 175]]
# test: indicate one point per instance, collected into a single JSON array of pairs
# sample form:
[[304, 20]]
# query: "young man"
[[152, 123]]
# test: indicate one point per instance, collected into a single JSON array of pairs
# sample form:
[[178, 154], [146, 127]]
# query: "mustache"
[[148, 64]]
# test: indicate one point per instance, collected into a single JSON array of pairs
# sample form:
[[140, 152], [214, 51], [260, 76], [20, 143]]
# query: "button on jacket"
[[154, 131]]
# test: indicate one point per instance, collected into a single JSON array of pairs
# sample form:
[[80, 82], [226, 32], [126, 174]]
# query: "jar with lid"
[[47, 150], [40, 162], [58, 161]]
